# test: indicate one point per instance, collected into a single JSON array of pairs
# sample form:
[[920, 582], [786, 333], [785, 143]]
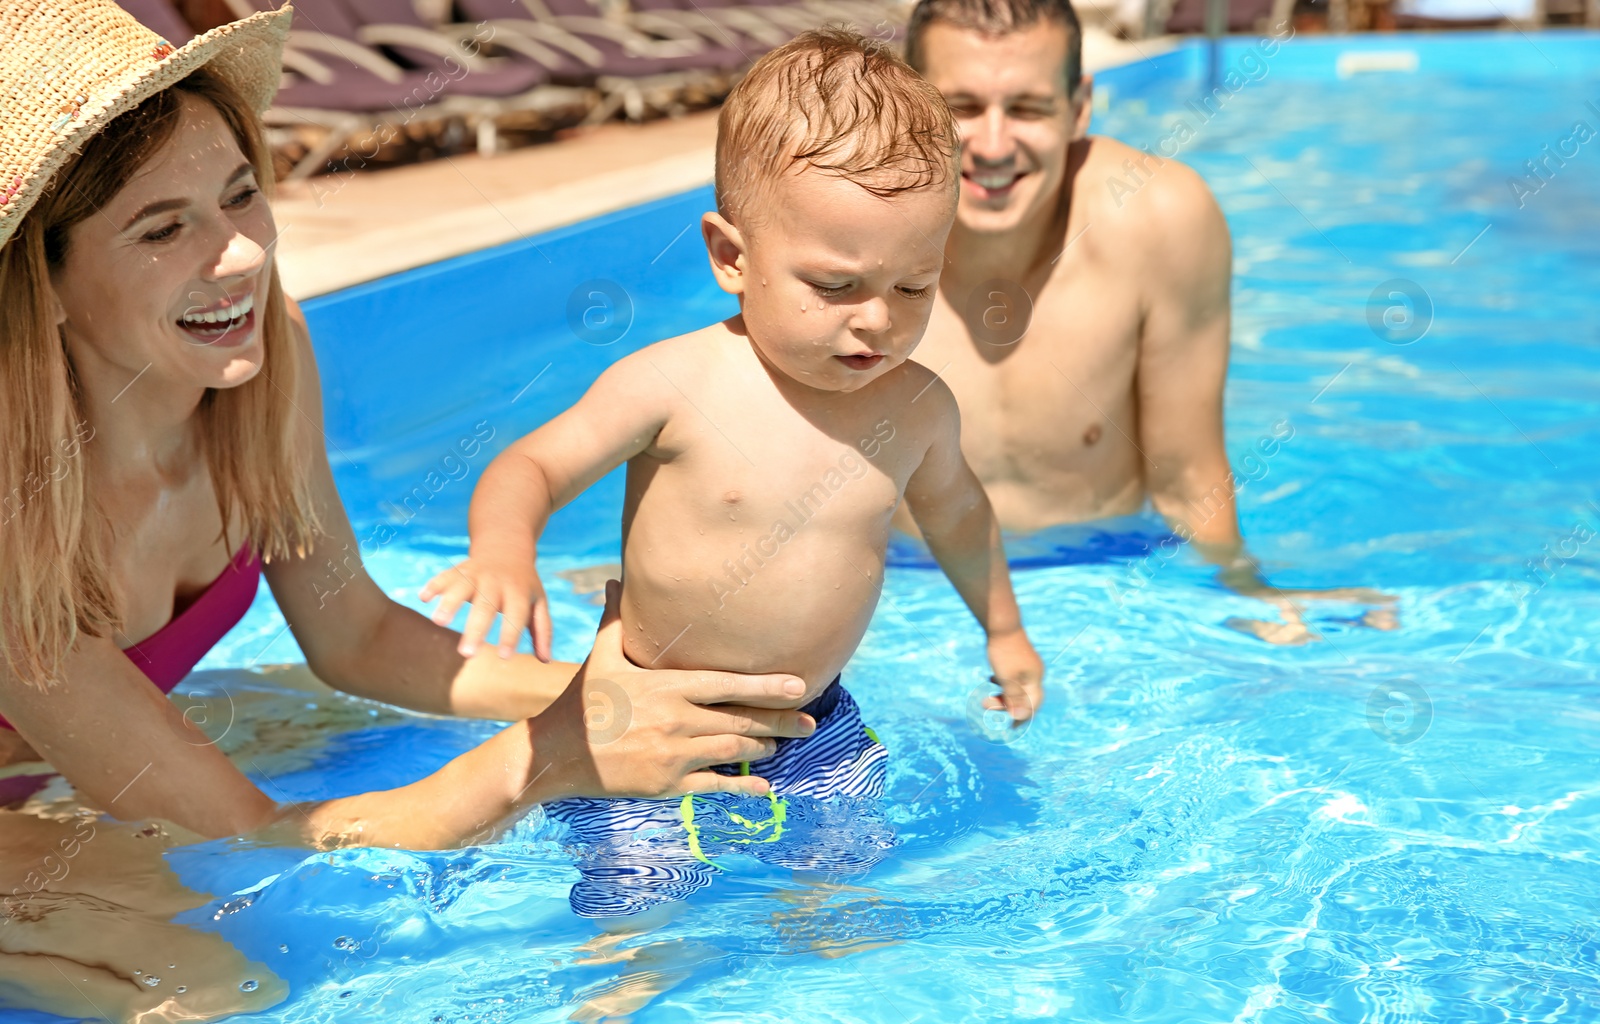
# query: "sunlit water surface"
[[1384, 826]]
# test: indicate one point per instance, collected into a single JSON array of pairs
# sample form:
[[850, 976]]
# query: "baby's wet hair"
[[833, 100]]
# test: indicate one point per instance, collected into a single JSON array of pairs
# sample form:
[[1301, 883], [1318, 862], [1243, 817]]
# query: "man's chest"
[[1066, 377]]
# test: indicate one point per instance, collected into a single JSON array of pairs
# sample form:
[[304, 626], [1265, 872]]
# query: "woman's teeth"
[[234, 312]]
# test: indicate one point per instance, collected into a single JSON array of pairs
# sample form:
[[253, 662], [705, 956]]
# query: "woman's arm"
[[128, 750], [357, 640]]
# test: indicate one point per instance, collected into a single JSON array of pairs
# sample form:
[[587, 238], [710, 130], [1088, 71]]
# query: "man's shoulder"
[[1141, 190]]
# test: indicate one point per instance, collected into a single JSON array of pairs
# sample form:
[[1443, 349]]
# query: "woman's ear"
[[58, 312], [725, 245]]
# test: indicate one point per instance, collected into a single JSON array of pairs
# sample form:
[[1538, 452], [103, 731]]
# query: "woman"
[[163, 446]]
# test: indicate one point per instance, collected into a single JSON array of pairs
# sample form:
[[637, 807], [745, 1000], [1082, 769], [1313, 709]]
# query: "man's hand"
[[507, 588], [1019, 673], [1243, 577]]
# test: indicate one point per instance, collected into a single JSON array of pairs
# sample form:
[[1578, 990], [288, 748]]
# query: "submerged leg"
[[86, 929]]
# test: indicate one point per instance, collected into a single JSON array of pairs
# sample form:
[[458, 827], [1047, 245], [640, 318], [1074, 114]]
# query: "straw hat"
[[68, 67]]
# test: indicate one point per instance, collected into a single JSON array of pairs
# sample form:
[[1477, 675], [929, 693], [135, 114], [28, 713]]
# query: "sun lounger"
[[339, 86], [737, 27], [159, 17], [483, 88], [1243, 15], [630, 68]]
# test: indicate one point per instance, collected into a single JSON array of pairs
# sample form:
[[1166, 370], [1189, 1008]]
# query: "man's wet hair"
[[997, 17]]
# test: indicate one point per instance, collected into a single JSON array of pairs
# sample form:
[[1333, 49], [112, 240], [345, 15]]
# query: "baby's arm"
[[954, 515], [616, 419]]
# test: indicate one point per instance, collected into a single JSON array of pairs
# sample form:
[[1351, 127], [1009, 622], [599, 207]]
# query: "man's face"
[[1009, 96]]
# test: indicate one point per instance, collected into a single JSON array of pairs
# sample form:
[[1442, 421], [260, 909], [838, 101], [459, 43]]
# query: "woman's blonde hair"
[[54, 542]]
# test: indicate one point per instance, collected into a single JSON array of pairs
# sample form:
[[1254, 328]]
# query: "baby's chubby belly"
[[774, 592]]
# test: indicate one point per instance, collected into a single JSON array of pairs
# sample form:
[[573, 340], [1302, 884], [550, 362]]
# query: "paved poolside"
[[340, 230]]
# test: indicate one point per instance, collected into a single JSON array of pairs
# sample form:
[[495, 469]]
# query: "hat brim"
[[247, 54]]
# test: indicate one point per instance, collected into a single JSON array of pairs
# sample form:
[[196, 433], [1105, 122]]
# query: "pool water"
[[1379, 826]]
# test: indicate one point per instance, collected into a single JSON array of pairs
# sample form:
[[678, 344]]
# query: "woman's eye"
[[243, 198], [161, 234]]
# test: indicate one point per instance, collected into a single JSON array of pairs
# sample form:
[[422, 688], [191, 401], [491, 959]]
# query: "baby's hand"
[[1018, 672], [509, 589]]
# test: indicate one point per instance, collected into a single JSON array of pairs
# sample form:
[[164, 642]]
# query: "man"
[[1084, 307]]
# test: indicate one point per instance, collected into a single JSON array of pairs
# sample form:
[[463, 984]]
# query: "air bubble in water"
[[152, 980], [249, 985], [346, 943], [182, 989], [282, 948]]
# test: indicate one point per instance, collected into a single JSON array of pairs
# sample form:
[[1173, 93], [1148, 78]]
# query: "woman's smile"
[[229, 323]]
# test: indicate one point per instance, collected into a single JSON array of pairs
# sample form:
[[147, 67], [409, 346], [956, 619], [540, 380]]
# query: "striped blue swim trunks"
[[824, 817]]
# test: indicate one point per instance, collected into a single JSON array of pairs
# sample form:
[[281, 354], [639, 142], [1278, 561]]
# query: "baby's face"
[[838, 282]]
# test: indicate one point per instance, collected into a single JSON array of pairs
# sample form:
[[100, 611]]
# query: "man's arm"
[[1183, 362], [951, 509], [1183, 366]]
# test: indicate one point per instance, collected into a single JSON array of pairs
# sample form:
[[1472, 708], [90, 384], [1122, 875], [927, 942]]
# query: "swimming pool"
[[1387, 826]]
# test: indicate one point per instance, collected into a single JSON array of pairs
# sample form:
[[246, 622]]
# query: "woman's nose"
[[241, 256]]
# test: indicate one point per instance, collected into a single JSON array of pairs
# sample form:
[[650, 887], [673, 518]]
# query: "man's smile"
[[991, 184]]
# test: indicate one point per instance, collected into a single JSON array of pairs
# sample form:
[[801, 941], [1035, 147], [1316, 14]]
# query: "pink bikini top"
[[172, 651]]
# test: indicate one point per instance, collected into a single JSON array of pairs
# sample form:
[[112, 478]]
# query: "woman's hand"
[[620, 730]]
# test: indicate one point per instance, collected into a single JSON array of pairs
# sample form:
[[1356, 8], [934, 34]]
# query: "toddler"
[[766, 456]]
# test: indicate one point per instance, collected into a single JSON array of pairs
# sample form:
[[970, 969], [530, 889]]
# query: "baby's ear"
[[725, 246]]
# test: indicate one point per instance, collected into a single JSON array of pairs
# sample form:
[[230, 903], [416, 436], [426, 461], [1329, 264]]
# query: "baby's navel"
[[1091, 435]]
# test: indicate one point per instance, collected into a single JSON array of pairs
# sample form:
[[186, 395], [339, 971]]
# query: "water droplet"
[[282, 948], [172, 967], [249, 985], [802, 307], [233, 907], [152, 980], [137, 973], [182, 989], [346, 943]]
